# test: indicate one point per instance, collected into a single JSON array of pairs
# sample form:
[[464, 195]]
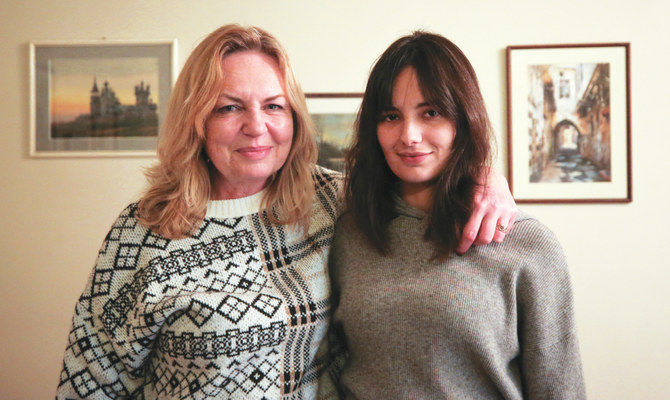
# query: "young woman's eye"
[[432, 113], [388, 117]]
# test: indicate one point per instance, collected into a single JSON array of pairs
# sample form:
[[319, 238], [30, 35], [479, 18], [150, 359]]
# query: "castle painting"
[[121, 105], [99, 99]]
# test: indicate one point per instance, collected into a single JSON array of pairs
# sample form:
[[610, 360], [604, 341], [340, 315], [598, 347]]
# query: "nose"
[[254, 123], [411, 133]]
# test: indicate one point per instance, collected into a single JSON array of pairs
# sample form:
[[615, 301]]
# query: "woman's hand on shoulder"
[[493, 213]]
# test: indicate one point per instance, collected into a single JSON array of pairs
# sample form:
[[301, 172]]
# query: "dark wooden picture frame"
[[568, 122]]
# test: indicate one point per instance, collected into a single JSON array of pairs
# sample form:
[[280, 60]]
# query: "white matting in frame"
[[569, 123], [99, 99]]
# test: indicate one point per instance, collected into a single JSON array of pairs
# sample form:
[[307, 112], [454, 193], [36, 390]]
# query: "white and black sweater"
[[237, 310]]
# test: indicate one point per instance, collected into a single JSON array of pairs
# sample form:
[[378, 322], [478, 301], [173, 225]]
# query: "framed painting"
[[97, 99], [334, 115], [569, 123]]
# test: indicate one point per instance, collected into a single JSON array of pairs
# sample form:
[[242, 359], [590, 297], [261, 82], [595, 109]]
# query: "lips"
[[254, 152], [413, 157]]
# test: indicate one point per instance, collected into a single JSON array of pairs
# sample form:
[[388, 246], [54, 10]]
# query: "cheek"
[[449, 143], [218, 142], [384, 139], [444, 138], [388, 153], [218, 131], [282, 130], [287, 132]]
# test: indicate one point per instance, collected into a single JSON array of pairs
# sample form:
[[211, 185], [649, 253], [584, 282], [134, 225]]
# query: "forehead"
[[251, 68], [248, 57], [406, 86]]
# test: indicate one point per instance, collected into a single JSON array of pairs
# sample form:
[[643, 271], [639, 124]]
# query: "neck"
[[419, 196], [223, 190]]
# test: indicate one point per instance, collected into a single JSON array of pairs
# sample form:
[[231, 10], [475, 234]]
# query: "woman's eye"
[[275, 107], [389, 117], [432, 113], [226, 109]]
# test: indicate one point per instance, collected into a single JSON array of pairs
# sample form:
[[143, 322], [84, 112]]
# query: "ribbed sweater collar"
[[403, 208], [235, 207]]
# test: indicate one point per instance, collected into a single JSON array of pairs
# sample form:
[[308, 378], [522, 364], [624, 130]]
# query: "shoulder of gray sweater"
[[529, 225], [535, 242]]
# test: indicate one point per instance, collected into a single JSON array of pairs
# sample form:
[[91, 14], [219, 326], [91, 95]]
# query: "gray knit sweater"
[[496, 323]]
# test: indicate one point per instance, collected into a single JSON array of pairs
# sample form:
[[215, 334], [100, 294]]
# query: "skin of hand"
[[493, 204]]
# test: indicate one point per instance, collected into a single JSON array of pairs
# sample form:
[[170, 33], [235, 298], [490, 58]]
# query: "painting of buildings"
[[569, 123], [108, 117]]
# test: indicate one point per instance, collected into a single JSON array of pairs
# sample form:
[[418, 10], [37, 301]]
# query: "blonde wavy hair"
[[179, 184]]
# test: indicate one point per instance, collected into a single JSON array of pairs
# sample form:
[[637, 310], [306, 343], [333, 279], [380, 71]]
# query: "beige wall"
[[55, 212]]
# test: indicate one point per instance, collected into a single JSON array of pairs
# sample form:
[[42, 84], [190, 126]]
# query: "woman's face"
[[415, 138], [250, 131]]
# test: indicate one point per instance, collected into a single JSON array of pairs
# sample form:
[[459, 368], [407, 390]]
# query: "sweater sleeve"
[[92, 369], [336, 350], [330, 387], [550, 361], [97, 363]]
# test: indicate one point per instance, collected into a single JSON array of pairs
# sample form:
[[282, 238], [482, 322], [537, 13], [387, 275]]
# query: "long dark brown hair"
[[449, 83]]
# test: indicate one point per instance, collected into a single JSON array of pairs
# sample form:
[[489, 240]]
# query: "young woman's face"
[[415, 138], [250, 131]]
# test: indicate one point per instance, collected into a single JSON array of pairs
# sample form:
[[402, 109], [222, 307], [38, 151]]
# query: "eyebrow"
[[239, 100], [420, 105]]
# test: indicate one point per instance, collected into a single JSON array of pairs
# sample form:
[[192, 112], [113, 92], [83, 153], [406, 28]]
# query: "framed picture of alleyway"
[[97, 99], [334, 115], [568, 116]]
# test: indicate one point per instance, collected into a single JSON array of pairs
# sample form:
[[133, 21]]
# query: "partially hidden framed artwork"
[[569, 123], [334, 115], [99, 99]]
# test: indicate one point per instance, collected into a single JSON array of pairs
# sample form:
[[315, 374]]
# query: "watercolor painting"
[[99, 99], [568, 109]]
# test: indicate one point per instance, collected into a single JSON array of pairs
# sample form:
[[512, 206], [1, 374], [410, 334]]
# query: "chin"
[[416, 178]]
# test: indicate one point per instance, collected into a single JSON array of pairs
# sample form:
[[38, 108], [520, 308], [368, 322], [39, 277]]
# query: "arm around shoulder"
[[493, 207]]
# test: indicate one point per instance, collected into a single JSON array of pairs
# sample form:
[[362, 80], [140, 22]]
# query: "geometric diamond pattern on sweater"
[[237, 310]]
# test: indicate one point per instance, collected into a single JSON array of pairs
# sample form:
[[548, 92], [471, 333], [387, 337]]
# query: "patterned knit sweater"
[[495, 323], [236, 311]]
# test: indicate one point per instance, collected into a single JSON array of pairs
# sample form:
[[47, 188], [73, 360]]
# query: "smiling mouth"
[[413, 157], [254, 153]]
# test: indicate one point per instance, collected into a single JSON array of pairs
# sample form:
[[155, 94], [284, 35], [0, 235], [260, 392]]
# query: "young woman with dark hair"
[[450, 86], [416, 321]]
